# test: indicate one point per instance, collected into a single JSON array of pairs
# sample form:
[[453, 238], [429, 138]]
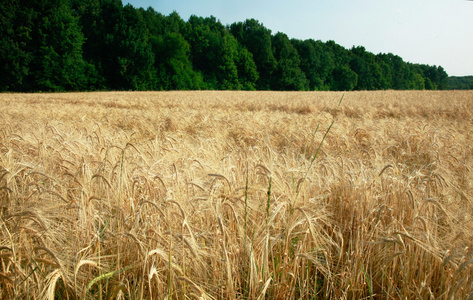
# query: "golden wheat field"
[[236, 195]]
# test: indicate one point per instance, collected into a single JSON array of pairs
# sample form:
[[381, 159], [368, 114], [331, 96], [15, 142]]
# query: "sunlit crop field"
[[250, 195]]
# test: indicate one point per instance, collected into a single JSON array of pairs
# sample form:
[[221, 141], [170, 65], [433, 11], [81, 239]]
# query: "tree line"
[[79, 45], [460, 82]]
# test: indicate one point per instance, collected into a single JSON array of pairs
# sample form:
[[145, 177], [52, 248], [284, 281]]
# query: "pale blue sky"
[[434, 32]]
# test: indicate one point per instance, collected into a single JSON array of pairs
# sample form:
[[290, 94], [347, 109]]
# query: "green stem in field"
[[268, 205], [105, 226], [311, 138], [246, 256], [310, 166], [170, 265], [314, 158], [317, 151], [119, 204], [368, 281], [120, 179], [268, 202], [246, 206]]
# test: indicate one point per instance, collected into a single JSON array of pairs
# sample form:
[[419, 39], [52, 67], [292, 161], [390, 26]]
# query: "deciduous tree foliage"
[[288, 74], [74, 45], [461, 83], [316, 62], [214, 52], [257, 39], [16, 27]]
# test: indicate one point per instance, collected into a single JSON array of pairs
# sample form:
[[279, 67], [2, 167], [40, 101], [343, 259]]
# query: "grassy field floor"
[[249, 195]]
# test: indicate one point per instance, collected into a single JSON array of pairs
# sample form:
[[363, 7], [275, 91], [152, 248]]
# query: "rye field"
[[236, 195]]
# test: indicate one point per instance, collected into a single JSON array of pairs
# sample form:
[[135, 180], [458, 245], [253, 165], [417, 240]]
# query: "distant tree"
[[428, 84], [257, 39], [340, 55], [227, 72], [103, 21], [155, 21], [288, 75], [174, 70], [311, 62], [16, 27], [343, 79], [66, 45], [418, 82], [400, 73], [55, 48], [386, 80], [214, 52], [135, 57], [174, 23], [369, 72], [247, 71], [91, 22], [442, 83], [437, 75], [460, 82], [120, 46], [326, 63]]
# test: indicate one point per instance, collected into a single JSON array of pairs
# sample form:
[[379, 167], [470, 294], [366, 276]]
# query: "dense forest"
[[460, 83], [77, 45]]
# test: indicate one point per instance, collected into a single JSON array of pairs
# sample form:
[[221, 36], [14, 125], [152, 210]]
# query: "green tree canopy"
[[287, 75], [257, 39], [50, 44], [16, 26], [343, 79], [214, 52], [67, 45]]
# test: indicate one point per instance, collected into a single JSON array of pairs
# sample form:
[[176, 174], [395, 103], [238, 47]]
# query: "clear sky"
[[434, 32]]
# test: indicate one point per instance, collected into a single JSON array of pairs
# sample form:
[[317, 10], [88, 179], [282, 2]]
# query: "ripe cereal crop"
[[225, 195]]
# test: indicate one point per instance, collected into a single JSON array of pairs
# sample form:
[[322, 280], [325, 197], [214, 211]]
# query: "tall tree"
[[16, 26], [121, 49], [343, 79], [90, 20], [369, 72], [288, 75], [257, 39], [460, 82], [214, 52], [400, 72], [56, 48], [386, 80], [136, 57], [174, 70], [103, 22], [340, 55], [247, 72], [316, 63]]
